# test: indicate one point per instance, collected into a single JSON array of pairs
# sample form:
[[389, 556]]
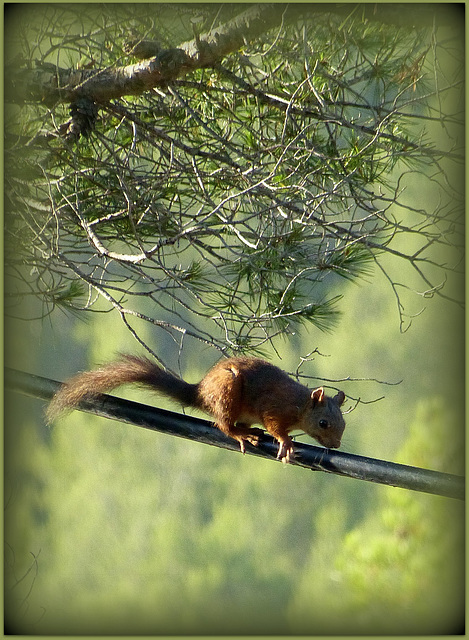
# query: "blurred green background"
[[117, 530]]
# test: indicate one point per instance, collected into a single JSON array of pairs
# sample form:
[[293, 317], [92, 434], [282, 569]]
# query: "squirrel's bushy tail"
[[129, 369]]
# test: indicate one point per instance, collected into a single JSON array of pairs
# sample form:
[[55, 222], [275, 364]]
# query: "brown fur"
[[236, 392]]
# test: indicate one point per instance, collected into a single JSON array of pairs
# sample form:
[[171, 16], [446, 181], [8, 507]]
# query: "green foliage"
[[67, 296], [277, 170]]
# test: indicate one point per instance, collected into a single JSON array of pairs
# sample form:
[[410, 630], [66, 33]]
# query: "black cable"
[[311, 457]]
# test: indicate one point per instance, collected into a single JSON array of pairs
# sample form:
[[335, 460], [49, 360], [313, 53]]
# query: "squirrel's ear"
[[339, 398], [317, 395]]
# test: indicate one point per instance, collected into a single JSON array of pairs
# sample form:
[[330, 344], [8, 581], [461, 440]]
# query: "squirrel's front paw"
[[285, 452]]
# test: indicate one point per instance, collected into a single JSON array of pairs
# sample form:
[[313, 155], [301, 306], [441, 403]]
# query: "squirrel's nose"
[[330, 443]]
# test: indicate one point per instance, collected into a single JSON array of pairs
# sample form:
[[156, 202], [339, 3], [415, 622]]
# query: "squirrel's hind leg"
[[225, 388]]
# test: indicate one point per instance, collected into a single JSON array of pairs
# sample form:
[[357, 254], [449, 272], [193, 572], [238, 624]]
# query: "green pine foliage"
[[274, 172]]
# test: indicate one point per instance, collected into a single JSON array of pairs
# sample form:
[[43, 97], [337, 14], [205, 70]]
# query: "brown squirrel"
[[236, 392]]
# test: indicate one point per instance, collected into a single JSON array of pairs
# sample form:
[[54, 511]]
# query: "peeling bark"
[[50, 84]]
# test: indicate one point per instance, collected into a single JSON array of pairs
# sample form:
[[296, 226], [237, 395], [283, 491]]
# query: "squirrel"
[[237, 392]]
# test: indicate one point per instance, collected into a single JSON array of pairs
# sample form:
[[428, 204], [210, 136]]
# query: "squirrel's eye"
[[323, 424]]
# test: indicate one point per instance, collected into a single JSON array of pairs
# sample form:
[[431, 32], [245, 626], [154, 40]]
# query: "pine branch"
[[51, 84]]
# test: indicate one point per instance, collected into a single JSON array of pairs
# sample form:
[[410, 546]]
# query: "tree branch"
[[52, 84]]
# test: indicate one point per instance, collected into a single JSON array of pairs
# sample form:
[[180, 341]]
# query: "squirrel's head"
[[322, 418]]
